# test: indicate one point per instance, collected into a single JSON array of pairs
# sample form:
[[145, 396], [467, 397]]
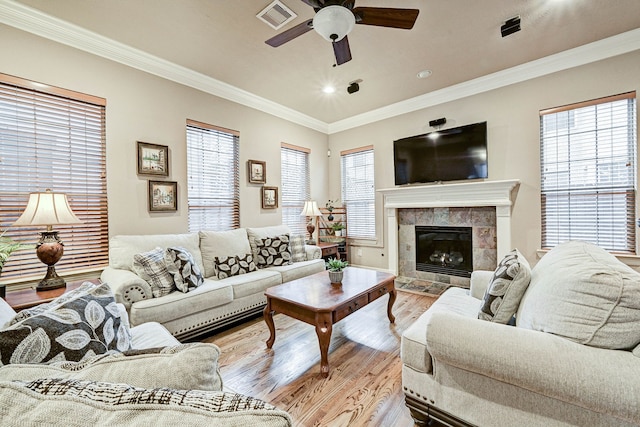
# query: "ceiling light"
[[328, 89], [424, 74], [333, 22]]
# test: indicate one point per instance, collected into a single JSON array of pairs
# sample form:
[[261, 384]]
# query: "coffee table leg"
[[392, 299], [323, 330], [268, 317]]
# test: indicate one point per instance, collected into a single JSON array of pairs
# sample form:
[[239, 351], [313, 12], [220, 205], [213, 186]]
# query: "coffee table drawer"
[[377, 293], [348, 308]]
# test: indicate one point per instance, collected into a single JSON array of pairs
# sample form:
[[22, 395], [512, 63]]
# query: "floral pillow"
[[78, 328], [185, 271], [273, 251], [234, 266]]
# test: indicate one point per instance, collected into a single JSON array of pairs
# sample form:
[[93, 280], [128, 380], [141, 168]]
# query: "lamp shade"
[[48, 209], [334, 22], [310, 209]]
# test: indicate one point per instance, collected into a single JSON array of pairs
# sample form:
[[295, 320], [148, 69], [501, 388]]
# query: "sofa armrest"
[[594, 378], [479, 282], [313, 252], [126, 286]]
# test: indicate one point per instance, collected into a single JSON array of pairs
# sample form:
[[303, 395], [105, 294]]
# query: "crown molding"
[[592, 52], [33, 21], [41, 24]]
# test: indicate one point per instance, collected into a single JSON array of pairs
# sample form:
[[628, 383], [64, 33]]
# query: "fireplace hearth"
[[444, 250]]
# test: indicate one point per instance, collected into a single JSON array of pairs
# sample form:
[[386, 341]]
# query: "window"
[[52, 138], [213, 181], [588, 168], [295, 186], [358, 192]]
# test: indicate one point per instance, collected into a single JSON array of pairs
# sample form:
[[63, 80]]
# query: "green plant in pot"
[[7, 247], [336, 267], [337, 228], [330, 208]]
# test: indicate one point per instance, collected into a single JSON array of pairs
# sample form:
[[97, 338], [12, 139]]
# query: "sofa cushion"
[[298, 252], [264, 232], [7, 314], [234, 265], [506, 288], [80, 328], [583, 293], [182, 366], [273, 251], [220, 244], [152, 268], [298, 270], [253, 283], [151, 335], [56, 402], [123, 248], [182, 266]]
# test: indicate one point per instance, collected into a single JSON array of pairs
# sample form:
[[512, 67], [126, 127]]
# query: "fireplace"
[[444, 250]]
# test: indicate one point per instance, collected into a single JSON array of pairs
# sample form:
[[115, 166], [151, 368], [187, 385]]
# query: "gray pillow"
[[80, 328], [506, 288], [583, 293], [152, 268], [296, 245]]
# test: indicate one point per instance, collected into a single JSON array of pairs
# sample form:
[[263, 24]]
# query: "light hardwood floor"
[[364, 383]]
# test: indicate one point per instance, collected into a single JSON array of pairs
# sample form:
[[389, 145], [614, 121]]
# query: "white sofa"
[[216, 302], [158, 382], [572, 359]]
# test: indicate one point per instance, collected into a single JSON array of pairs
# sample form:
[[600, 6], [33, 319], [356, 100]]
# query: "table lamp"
[[311, 211], [48, 209]]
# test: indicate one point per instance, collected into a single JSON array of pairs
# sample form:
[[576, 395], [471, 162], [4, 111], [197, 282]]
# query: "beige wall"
[[513, 137], [142, 107]]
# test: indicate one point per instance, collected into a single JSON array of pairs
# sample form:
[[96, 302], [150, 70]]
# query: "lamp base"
[[51, 280]]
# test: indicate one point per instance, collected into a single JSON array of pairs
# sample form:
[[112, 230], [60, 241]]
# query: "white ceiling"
[[458, 40]]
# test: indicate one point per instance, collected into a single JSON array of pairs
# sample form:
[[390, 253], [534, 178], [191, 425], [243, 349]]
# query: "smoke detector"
[[276, 15]]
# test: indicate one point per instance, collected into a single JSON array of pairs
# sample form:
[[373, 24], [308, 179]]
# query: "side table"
[[26, 298], [329, 250]]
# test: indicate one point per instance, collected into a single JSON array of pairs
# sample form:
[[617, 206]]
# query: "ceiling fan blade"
[[386, 17], [342, 51], [316, 4], [290, 34]]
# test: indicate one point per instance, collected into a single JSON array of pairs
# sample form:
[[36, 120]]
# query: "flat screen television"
[[446, 155]]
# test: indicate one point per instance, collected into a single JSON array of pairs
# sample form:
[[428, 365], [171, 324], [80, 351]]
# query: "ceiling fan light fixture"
[[333, 23]]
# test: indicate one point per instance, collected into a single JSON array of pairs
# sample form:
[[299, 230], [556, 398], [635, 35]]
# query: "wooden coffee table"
[[314, 300]]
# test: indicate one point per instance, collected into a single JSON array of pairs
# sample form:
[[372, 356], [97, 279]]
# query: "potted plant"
[[330, 207], [7, 247], [337, 228], [336, 267]]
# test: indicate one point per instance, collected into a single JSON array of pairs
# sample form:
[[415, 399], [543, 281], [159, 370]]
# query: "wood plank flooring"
[[364, 383]]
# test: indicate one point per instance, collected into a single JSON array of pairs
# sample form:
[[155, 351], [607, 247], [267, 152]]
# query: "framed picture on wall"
[[163, 196], [153, 159], [269, 197], [257, 172]]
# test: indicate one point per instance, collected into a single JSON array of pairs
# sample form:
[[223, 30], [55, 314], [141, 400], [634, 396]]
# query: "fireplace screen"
[[444, 250]]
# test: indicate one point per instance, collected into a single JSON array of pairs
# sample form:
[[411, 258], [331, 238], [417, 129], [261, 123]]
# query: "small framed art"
[[163, 196], [269, 197], [257, 172], [153, 159]]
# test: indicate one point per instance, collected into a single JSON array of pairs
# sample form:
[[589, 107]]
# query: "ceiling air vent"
[[276, 15]]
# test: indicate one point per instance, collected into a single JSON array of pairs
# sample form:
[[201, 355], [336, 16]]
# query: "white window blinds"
[[295, 186], [588, 161], [52, 138], [213, 180], [358, 192]]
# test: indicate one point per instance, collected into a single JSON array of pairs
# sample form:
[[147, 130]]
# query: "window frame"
[[360, 226], [292, 201]]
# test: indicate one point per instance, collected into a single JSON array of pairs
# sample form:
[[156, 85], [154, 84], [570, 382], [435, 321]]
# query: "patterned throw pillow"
[[182, 266], [506, 288], [234, 266], [82, 327], [273, 251], [298, 252], [152, 268]]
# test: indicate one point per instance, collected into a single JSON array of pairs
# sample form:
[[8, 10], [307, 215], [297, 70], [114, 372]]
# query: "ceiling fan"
[[335, 19]]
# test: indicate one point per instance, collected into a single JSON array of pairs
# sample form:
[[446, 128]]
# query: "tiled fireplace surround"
[[483, 205]]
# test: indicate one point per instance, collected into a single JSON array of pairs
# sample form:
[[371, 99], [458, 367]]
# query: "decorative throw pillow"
[[80, 328], [234, 266], [273, 251], [152, 268], [184, 366], [506, 288], [185, 271], [298, 252]]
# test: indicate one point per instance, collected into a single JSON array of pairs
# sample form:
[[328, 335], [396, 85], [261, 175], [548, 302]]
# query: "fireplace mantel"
[[499, 194]]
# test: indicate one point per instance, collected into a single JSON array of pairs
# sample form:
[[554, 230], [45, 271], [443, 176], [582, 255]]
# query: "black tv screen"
[[445, 155]]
